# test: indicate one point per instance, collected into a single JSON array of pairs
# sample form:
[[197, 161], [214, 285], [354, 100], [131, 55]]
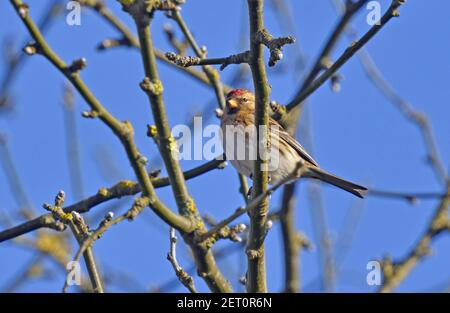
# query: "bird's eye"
[[244, 99]]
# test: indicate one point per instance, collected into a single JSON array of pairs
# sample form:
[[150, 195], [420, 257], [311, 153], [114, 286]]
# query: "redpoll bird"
[[284, 152]]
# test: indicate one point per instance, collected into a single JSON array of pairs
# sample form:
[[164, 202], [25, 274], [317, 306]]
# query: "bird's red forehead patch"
[[236, 92]]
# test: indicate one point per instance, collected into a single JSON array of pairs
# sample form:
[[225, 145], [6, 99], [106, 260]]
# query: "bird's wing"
[[283, 135]]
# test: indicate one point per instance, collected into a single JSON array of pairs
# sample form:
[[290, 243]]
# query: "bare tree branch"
[[211, 73], [53, 10], [403, 105], [347, 55], [88, 237], [395, 271], [168, 148], [182, 275], [129, 39], [256, 273], [117, 191], [123, 130], [79, 230], [14, 180]]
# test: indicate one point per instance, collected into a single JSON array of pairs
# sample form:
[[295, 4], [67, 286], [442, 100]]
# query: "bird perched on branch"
[[284, 152]]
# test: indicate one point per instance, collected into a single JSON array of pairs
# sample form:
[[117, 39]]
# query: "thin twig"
[[347, 55], [212, 74], [86, 242], [351, 8], [395, 271], [43, 221], [411, 197], [325, 251], [13, 177], [182, 275], [72, 144], [291, 247], [187, 61], [17, 60], [180, 46], [79, 230]]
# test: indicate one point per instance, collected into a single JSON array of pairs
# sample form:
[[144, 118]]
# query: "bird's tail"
[[322, 175]]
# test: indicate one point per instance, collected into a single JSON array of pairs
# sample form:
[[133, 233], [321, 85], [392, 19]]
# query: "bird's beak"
[[232, 104]]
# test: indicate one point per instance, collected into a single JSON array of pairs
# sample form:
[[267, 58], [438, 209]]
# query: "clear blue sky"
[[357, 134]]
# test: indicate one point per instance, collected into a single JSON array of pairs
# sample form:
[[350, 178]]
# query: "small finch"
[[285, 152]]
